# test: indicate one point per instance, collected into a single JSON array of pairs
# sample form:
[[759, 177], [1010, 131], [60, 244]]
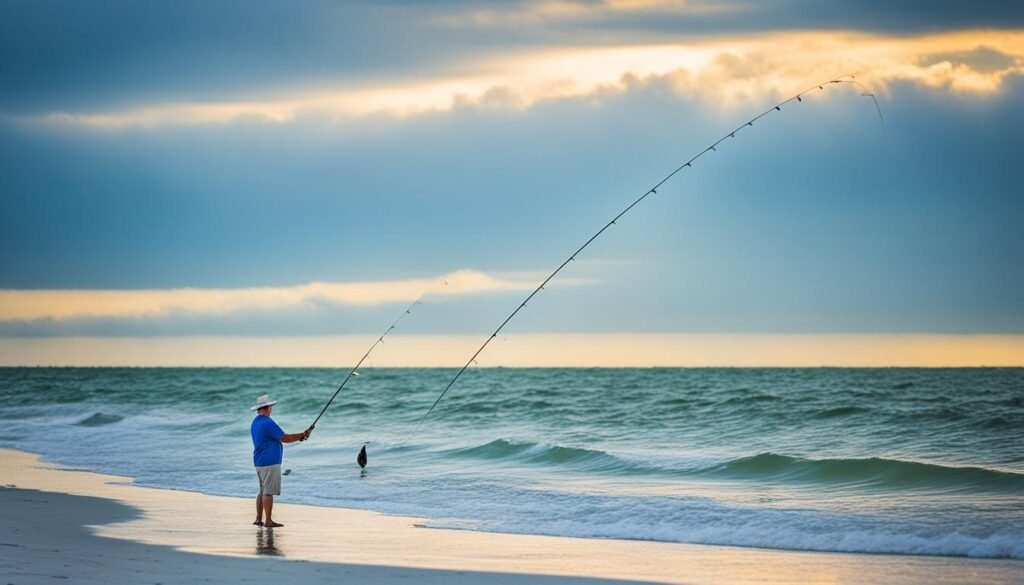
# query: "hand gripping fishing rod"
[[379, 341], [851, 79]]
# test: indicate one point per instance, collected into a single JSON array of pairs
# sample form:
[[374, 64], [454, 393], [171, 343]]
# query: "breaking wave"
[[768, 467]]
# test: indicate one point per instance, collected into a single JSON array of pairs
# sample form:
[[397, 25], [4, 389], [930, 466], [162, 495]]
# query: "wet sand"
[[90, 528]]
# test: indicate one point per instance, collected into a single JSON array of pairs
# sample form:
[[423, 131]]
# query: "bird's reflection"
[[265, 543]]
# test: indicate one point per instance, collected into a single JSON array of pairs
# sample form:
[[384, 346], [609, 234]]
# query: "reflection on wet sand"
[[265, 542]]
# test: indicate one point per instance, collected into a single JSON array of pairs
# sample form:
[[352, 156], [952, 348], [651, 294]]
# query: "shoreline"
[[214, 535]]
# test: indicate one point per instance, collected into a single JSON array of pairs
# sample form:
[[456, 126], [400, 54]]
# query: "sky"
[[215, 183]]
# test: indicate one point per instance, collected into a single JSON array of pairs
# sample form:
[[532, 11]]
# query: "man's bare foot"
[[272, 524], [257, 523]]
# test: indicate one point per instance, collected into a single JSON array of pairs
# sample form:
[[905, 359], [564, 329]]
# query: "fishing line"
[[379, 341], [845, 79]]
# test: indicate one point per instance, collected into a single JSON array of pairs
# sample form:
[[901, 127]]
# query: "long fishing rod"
[[379, 341], [851, 79]]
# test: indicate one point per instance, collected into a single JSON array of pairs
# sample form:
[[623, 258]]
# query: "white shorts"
[[270, 479]]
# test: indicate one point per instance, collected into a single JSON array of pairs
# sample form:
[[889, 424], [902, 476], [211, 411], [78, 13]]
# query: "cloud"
[[541, 12], [37, 305], [724, 16], [722, 71], [115, 55], [810, 223]]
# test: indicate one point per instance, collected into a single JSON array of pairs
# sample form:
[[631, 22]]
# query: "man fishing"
[[268, 449]]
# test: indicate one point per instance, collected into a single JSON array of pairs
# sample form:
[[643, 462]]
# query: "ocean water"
[[904, 461]]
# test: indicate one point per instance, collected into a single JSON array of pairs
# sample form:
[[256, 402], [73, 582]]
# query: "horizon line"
[[528, 350]]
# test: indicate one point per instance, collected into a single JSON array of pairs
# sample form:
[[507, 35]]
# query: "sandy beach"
[[85, 527], [706, 292]]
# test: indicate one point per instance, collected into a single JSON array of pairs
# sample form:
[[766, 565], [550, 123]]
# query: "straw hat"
[[263, 401]]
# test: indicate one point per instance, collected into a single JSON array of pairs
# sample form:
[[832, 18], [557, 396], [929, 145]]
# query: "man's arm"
[[291, 438], [296, 436]]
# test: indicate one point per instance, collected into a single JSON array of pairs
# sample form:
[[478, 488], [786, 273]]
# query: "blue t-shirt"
[[266, 441]]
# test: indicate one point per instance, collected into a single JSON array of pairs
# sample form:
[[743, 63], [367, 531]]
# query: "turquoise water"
[[907, 461]]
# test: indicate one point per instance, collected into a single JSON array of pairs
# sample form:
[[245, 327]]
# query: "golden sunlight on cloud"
[[29, 305], [546, 11], [528, 350], [721, 71]]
